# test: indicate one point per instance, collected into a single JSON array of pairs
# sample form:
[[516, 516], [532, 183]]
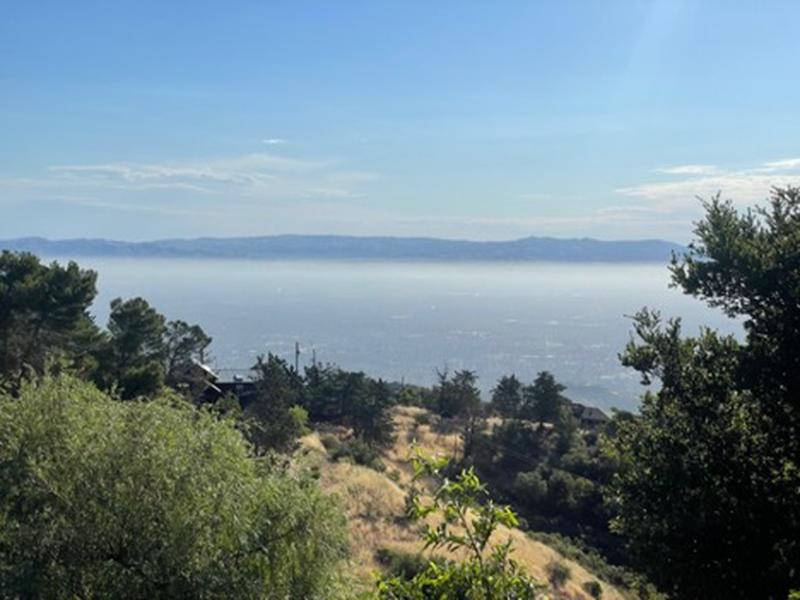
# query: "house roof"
[[592, 413], [588, 413]]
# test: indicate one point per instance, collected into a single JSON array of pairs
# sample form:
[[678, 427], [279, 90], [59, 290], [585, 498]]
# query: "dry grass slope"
[[374, 503]]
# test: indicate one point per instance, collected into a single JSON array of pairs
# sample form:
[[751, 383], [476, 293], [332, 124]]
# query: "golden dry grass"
[[374, 503]]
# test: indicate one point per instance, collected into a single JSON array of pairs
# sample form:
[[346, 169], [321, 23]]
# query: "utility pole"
[[297, 357]]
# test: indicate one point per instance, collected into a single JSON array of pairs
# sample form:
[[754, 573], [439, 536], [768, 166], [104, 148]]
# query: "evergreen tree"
[[370, 415], [457, 396], [184, 345], [278, 418], [543, 400], [507, 397], [133, 356], [44, 315], [708, 493]]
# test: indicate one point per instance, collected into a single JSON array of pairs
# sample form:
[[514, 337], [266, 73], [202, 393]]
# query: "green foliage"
[[565, 426], [543, 401], [593, 588], [690, 465], [414, 395], [507, 397], [403, 565], [554, 475], [457, 396], [351, 399], [228, 406], [44, 315], [329, 392], [358, 452], [553, 491], [276, 419], [331, 442], [45, 322], [467, 520], [133, 356], [708, 493], [185, 345], [531, 488], [594, 562], [101, 498], [423, 418], [557, 574], [511, 447], [369, 414], [299, 416]]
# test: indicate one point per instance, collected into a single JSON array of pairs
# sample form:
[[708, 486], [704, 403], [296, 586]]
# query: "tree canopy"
[[708, 492], [507, 396], [101, 498], [277, 417], [44, 314], [457, 395], [543, 400]]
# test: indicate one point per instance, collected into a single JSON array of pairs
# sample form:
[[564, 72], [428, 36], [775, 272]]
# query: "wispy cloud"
[[255, 178], [273, 141], [688, 170], [136, 208], [778, 165], [745, 186]]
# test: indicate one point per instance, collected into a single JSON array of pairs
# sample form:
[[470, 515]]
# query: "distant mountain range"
[[363, 248]]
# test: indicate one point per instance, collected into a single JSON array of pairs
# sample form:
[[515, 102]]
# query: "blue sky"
[[483, 120]]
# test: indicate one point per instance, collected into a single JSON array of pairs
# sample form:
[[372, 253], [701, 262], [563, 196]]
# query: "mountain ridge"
[[298, 246]]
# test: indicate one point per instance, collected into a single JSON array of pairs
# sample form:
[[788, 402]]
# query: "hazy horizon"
[[403, 320], [342, 235]]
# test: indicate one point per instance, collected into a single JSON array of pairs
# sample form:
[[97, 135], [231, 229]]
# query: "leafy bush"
[[594, 589], [467, 521], [557, 573], [359, 452], [401, 564], [594, 562], [331, 442], [530, 488], [423, 418], [102, 498]]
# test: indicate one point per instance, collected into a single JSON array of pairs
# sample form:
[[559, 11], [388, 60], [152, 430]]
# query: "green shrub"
[[107, 499], [484, 574], [360, 453], [557, 574], [405, 565], [530, 488], [423, 418], [594, 562], [331, 442], [594, 589]]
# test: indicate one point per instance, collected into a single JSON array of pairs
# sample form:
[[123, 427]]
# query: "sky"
[[464, 119]]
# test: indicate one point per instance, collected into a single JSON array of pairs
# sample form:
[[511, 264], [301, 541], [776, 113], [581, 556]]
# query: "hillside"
[[361, 248], [374, 504]]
